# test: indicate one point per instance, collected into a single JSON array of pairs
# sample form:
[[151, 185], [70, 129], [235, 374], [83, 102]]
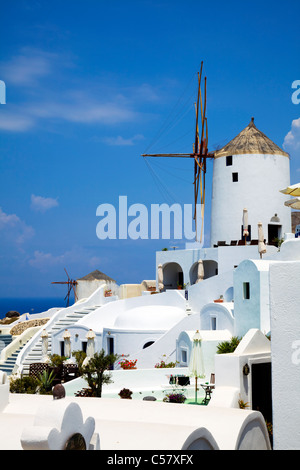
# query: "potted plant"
[[175, 398], [128, 364], [108, 293], [125, 393]]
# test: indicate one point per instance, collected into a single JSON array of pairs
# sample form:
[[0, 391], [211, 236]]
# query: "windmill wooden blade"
[[71, 286], [200, 152]]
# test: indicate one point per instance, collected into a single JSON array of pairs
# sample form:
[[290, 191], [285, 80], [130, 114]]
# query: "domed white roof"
[[149, 317]]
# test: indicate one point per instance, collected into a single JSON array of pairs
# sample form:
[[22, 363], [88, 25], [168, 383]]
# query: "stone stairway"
[[5, 340], [35, 354], [9, 364]]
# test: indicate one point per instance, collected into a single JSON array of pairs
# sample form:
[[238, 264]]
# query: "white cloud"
[[43, 260], [28, 67], [14, 228], [15, 122], [102, 102], [121, 141], [42, 204], [71, 259], [292, 139]]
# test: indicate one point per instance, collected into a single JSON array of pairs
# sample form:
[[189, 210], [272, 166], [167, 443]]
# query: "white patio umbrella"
[[44, 336], [196, 367], [67, 341], [245, 224], [200, 271], [293, 203], [261, 241], [160, 277], [90, 348], [293, 190]]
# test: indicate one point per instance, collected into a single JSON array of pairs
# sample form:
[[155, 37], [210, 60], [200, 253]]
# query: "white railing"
[[17, 342], [97, 298]]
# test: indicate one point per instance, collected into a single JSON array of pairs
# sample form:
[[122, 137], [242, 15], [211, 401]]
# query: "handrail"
[[17, 342], [90, 301]]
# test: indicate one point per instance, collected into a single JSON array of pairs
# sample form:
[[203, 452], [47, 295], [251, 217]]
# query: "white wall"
[[285, 346], [261, 177], [252, 312], [222, 312]]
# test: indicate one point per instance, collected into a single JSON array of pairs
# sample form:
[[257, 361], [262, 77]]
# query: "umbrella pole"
[[196, 389]]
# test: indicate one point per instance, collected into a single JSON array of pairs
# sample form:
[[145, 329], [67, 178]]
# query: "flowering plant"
[[162, 364], [128, 364], [175, 398]]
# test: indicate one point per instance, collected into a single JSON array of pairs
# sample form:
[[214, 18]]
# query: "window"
[[235, 177], [110, 346], [184, 356], [148, 344], [246, 290], [213, 323], [229, 160], [84, 346]]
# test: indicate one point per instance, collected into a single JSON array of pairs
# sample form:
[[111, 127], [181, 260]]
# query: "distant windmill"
[[71, 285]]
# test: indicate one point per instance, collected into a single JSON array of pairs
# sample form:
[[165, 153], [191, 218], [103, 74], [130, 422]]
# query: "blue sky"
[[88, 87]]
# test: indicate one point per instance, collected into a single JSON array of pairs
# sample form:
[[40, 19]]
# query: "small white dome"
[[150, 317]]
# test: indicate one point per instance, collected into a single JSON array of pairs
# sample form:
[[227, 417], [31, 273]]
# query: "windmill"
[[71, 286], [200, 152]]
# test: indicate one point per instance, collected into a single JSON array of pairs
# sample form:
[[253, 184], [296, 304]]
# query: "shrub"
[[175, 398], [84, 392], [94, 372], [163, 365], [80, 357], [45, 382], [125, 393], [24, 384], [56, 360], [226, 347], [128, 363]]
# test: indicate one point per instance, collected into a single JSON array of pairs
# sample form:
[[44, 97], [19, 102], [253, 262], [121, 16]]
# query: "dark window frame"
[[229, 160]]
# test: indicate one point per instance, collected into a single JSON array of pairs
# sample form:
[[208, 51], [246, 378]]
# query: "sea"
[[30, 305]]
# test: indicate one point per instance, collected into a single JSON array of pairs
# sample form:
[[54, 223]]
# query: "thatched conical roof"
[[250, 141], [96, 275]]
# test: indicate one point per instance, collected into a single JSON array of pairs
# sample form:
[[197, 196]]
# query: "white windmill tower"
[[249, 173]]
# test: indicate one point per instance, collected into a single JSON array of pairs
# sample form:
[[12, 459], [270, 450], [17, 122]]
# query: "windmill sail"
[[199, 154]]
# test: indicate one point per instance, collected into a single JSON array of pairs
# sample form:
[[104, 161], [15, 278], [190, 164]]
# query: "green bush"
[[24, 384], [226, 347], [80, 357], [95, 371], [175, 398], [56, 360], [45, 382]]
